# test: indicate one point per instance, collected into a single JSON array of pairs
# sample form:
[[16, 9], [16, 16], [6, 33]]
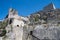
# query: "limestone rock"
[[50, 33]]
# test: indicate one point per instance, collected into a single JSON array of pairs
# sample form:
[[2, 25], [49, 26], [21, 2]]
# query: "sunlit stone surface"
[[47, 33], [43, 25]]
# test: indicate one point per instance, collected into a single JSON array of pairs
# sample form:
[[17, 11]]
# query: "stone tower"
[[12, 12]]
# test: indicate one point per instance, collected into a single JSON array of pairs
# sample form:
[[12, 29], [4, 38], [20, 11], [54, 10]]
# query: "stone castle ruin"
[[42, 25]]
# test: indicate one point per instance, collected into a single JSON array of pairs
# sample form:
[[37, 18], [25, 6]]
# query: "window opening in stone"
[[17, 25], [31, 32], [10, 20]]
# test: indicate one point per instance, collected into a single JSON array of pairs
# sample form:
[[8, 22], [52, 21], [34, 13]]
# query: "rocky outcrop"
[[42, 25], [47, 33]]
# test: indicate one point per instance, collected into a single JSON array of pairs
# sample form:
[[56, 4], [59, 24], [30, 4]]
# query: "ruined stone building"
[[41, 25]]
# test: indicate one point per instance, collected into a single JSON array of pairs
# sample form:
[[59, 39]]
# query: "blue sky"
[[24, 7]]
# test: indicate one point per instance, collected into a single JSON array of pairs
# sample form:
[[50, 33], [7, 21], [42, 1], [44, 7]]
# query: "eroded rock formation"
[[42, 25]]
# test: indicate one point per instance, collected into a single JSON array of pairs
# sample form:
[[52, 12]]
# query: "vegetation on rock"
[[3, 32], [3, 24]]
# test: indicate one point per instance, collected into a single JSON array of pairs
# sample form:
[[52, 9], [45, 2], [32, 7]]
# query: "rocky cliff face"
[[42, 25]]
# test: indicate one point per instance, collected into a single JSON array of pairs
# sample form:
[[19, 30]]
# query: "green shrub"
[[3, 32], [3, 25], [36, 18]]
